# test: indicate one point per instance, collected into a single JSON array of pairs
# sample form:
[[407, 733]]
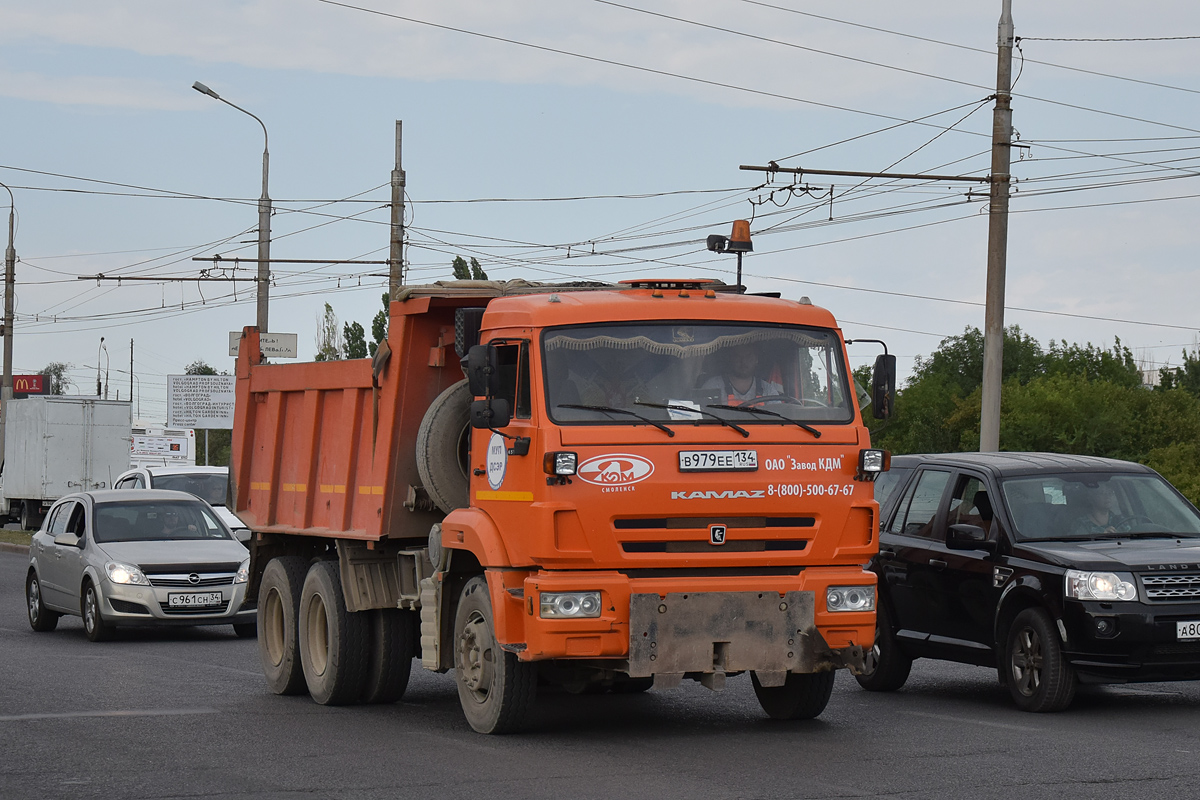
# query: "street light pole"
[[10, 280], [264, 215]]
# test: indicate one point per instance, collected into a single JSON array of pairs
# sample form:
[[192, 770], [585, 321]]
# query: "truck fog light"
[[850, 598], [570, 605], [562, 462]]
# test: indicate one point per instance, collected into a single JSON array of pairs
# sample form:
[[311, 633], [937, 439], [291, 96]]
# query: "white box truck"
[[57, 445]]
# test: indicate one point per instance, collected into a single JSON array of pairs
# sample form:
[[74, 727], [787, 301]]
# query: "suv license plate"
[[718, 460], [1189, 630], [196, 600]]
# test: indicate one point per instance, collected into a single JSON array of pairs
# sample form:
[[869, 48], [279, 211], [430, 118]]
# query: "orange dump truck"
[[632, 485]]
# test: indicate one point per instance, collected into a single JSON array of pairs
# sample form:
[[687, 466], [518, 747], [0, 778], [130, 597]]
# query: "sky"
[[584, 139]]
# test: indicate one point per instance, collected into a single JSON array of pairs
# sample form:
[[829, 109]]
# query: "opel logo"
[[193, 579]]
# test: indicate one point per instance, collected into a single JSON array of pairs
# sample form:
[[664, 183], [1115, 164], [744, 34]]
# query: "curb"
[[7, 547]]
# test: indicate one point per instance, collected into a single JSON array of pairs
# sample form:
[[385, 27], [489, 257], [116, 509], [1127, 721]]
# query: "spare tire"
[[443, 441]]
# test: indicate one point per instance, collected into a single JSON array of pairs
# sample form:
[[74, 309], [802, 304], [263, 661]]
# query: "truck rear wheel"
[[333, 641], [278, 611], [496, 689], [802, 696], [390, 652], [441, 448]]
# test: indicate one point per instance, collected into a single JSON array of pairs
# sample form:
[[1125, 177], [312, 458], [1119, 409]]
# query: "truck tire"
[[1039, 677], [887, 666], [390, 652], [30, 521], [333, 641], [278, 612], [41, 619], [442, 442], [496, 689], [803, 696]]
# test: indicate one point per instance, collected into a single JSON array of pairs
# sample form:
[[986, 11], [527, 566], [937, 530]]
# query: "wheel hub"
[[476, 656], [1027, 662], [35, 600]]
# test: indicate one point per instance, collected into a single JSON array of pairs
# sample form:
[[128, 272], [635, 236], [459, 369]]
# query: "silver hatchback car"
[[137, 557]]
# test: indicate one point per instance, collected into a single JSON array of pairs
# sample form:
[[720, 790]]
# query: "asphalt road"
[[184, 713]]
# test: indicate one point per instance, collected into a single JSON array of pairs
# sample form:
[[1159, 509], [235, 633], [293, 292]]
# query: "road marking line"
[[150, 712]]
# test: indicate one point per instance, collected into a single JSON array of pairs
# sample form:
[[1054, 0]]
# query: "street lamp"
[[10, 266], [264, 216]]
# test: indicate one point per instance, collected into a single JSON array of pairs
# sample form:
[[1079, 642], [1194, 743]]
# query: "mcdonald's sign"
[[30, 384]]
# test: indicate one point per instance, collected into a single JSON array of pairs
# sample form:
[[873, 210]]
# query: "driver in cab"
[[739, 381]]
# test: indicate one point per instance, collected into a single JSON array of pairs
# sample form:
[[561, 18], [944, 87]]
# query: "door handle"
[[937, 563]]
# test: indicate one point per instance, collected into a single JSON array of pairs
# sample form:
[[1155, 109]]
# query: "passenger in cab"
[[739, 380]]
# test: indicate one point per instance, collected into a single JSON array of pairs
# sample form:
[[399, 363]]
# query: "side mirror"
[[491, 413], [67, 540], [483, 370], [883, 386], [968, 537]]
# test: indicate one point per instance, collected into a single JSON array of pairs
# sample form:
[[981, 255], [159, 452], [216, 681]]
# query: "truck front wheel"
[[333, 641], [802, 696], [496, 689], [278, 611]]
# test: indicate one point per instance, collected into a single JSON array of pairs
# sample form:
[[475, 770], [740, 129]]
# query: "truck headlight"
[[569, 605], [850, 598], [125, 573], [561, 463], [1082, 585], [871, 463], [243, 573]]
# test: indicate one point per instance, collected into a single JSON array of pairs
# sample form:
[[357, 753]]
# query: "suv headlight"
[[243, 573], [125, 573], [569, 605], [1082, 585], [850, 598]]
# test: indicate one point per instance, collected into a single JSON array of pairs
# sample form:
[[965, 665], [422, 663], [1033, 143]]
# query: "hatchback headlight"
[[243, 573], [850, 598], [126, 574], [569, 605], [1098, 586]]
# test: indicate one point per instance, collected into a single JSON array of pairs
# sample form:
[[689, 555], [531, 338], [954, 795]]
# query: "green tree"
[[328, 340], [220, 440], [465, 272], [379, 326], [354, 340], [60, 378], [1186, 377]]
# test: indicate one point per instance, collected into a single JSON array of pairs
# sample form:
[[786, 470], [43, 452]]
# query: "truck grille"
[[1172, 587]]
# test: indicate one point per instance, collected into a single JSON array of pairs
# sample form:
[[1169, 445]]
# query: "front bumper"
[[771, 625], [125, 604], [1142, 645]]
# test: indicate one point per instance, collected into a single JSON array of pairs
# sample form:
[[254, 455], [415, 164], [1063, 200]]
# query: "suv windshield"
[[155, 521], [208, 486], [1096, 506], [697, 370]]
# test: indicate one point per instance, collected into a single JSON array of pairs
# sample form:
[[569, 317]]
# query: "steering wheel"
[[1126, 525], [784, 398]]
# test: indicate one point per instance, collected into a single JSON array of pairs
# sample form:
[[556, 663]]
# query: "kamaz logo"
[[727, 494]]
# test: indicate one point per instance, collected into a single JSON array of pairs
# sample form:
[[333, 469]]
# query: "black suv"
[[1053, 569]]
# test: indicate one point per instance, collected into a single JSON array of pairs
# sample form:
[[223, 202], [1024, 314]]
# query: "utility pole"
[[993, 333], [10, 281], [396, 253], [131, 374]]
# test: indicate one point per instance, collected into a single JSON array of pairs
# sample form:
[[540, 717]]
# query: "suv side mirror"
[[483, 370], [491, 413], [883, 386], [968, 537]]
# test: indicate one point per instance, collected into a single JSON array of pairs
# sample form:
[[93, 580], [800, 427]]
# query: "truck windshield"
[[209, 486], [1097, 505], [796, 373]]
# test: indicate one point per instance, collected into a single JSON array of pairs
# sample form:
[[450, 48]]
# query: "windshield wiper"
[[1141, 535], [745, 433], [612, 410], [764, 412]]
